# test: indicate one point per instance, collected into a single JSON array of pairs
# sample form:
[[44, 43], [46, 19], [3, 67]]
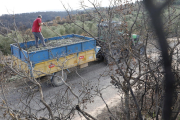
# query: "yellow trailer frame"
[[55, 65]]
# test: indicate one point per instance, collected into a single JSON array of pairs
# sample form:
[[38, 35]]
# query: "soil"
[[12, 80]]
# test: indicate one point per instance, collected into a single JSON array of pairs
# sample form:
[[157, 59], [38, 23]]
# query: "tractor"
[[116, 44]]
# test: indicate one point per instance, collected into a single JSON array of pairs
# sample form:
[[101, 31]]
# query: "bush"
[[47, 33], [5, 44]]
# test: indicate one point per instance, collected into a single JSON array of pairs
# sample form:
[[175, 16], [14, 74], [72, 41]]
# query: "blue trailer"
[[54, 60]]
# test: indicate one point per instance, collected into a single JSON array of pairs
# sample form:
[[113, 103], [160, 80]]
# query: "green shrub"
[[47, 33], [5, 44]]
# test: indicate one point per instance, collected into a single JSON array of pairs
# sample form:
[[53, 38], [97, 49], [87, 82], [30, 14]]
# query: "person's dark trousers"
[[39, 35]]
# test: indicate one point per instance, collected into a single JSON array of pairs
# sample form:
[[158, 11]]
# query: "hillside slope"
[[26, 19]]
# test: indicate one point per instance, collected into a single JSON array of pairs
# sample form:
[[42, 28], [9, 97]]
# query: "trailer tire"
[[57, 78], [100, 57]]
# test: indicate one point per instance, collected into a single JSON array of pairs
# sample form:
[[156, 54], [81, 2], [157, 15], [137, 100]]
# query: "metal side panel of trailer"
[[56, 52]]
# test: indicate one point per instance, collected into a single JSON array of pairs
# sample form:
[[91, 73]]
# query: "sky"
[[27, 6]]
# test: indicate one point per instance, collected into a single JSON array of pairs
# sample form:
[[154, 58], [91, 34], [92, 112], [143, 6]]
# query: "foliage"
[[5, 44], [26, 19]]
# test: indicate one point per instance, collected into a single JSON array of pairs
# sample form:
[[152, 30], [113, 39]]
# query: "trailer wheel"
[[100, 57], [57, 78]]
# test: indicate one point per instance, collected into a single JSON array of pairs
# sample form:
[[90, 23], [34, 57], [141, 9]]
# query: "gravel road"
[[90, 76]]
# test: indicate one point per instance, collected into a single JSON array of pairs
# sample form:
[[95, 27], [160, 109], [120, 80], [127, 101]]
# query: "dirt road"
[[91, 79]]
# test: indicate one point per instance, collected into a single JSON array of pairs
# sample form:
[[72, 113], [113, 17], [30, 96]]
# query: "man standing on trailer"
[[36, 30]]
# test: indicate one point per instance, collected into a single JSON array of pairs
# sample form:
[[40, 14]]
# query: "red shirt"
[[36, 27]]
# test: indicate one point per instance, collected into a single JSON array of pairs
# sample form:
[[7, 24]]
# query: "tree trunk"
[[127, 105]]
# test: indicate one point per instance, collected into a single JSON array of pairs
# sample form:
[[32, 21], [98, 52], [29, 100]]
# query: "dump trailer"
[[54, 60]]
